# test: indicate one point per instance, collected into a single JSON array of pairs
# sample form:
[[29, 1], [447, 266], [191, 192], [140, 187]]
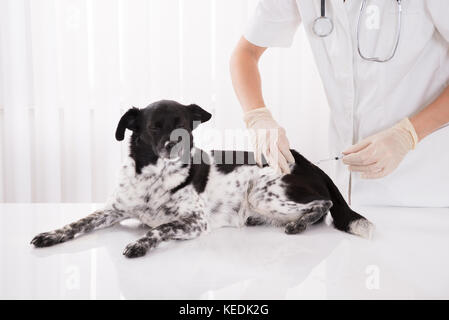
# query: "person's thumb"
[[357, 147]]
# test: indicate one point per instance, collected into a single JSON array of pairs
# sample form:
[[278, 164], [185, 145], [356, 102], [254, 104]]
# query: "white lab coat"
[[367, 97]]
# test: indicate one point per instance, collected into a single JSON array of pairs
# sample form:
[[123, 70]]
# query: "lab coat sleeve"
[[273, 23], [439, 11]]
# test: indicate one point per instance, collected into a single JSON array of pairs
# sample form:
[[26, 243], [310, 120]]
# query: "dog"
[[182, 192]]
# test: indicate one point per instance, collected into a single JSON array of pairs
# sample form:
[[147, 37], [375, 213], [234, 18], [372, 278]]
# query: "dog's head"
[[164, 126]]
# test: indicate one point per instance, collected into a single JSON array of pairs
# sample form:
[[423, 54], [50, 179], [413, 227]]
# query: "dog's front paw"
[[48, 239], [135, 249], [252, 221]]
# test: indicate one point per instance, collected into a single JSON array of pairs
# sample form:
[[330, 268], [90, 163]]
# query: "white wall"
[[70, 68]]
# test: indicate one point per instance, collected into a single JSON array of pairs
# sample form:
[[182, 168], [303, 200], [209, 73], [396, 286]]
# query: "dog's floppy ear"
[[198, 114], [128, 121]]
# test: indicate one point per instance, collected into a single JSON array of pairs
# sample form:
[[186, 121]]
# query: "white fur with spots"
[[227, 200]]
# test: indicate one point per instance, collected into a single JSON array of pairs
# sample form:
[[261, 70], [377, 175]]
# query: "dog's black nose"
[[169, 145]]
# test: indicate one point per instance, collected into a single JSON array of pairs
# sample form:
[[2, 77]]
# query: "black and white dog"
[[182, 192]]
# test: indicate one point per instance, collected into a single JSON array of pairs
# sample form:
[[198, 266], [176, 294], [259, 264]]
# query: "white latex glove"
[[268, 138], [380, 154]]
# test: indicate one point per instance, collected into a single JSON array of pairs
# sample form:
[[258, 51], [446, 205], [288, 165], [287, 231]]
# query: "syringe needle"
[[329, 159]]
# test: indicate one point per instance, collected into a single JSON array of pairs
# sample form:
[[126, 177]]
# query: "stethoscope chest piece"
[[323, 26]]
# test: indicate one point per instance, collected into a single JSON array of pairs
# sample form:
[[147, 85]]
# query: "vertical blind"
[[70, 68]]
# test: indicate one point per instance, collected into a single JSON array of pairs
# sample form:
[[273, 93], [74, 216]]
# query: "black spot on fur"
[[217, 207], [228, 161], [237, 207], [198, 175]]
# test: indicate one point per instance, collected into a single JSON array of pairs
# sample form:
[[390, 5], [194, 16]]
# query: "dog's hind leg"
[[271, 203], [306, 176], [316, 213], [185, 228], [98, 220]]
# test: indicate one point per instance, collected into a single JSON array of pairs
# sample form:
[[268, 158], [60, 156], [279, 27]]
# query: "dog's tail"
[[345, 219]]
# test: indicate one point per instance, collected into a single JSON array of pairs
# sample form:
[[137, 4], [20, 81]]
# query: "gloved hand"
[[268, 138], [380, 154]]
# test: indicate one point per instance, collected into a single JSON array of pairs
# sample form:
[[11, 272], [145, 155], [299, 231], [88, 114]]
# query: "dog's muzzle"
[[172, 151]]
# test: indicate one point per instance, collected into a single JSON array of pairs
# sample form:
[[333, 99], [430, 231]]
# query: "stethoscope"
[[323, 27]]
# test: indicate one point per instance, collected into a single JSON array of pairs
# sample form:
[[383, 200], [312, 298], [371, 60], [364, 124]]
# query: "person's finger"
[[257, 148], [357, 147], [264, 146], [273, 160], [280, 160], [284, 147], [374, 175], [362, 158], [375, 167], [288, 156], [285, 150], [258, 156], [272, 150], [273, 164], [285, 168], [253, 143]]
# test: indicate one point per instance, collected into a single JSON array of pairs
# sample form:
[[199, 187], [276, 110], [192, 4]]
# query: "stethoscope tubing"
[[362, 9], [398, 35]]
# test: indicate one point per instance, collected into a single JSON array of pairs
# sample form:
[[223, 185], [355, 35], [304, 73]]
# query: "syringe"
[[329, 159]]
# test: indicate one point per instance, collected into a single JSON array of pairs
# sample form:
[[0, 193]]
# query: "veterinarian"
[[385, 70]]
